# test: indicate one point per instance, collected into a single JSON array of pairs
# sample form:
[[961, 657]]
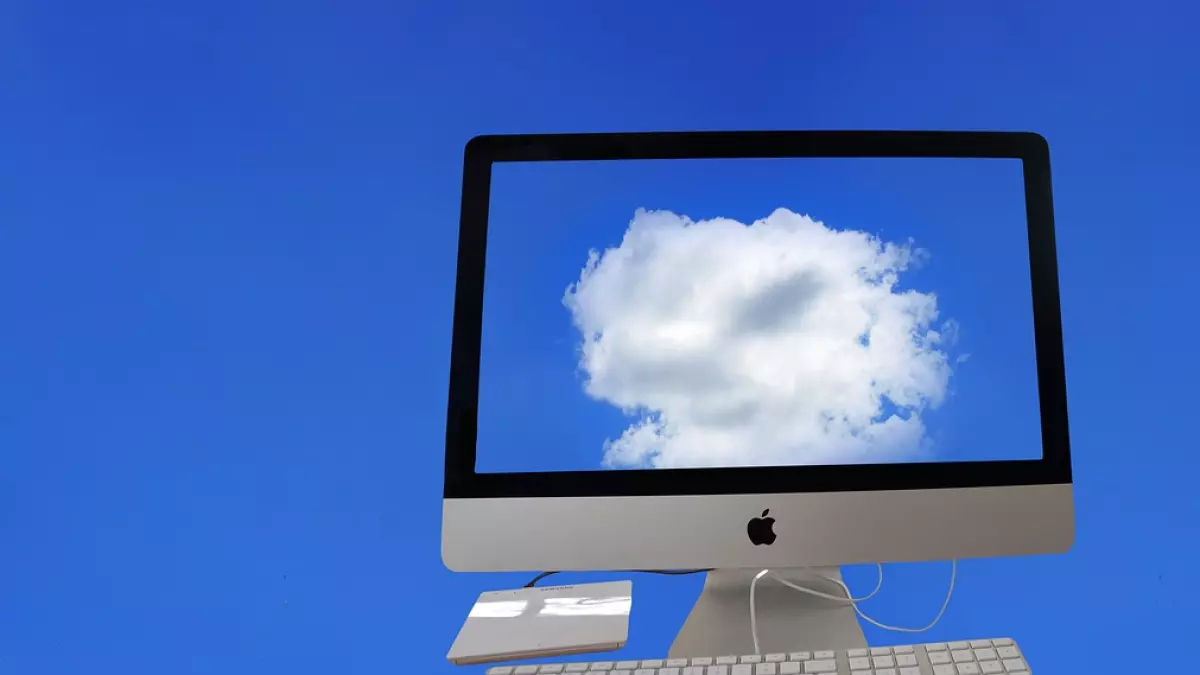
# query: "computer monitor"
[[755, 350]]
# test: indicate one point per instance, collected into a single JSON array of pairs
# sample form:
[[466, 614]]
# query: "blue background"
[[968, 215], [227, 235]]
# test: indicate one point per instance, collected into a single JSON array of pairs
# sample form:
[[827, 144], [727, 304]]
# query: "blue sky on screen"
[[756, 312]]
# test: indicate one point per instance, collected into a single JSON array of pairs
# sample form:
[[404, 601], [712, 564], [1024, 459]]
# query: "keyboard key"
[[551, 669], [988, 654], [526, 670], [761, 669], [937, 658], [1008, 652], [702, 661], [693, 670], [906, 649], [825, 655], [1015, 665], [963, 656], [500, 670], [992, 667], [881, 651], [621, 672], [576, 667], [726, 660], [915, 670], [790, 668], [717, 670], [980, 644], [668, 671], [856, 653], [644, 671], [742, 669], [945, 669], [968, 669], [677, 663], [599, 665], [1003, 642], [906, 660], [822, 666], [884, 662], [752, 658], [799, 656], [861, 672], [860, 663], [652, 663], [959, 645], [627, 665], [776, 658], [885, 671], [935, 647]]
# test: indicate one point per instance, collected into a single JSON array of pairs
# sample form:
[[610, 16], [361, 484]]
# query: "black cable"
[[676, 573], [533, 581]]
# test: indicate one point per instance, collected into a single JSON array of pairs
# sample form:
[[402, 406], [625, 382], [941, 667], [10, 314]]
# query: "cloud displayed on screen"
[[780, 342]]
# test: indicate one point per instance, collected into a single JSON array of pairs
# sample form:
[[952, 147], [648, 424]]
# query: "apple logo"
[[761, 530]]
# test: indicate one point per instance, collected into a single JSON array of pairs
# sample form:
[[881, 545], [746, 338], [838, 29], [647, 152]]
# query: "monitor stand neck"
[[788, 620]]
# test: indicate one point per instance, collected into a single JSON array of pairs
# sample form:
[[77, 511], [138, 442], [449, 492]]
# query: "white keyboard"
[[977, 657]]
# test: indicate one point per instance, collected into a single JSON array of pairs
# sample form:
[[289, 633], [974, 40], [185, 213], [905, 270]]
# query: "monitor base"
[[788, 620]]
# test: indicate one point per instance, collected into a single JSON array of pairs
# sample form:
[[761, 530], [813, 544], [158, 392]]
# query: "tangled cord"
[[849, 597]]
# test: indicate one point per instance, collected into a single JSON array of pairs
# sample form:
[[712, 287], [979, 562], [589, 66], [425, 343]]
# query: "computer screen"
[[643, 314]]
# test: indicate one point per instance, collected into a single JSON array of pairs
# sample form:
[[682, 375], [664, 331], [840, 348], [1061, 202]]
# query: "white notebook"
[[528, 623]]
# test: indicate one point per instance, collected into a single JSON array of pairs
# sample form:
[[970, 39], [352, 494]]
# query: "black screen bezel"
[[461, 478]]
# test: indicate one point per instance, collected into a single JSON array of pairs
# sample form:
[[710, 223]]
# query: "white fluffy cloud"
[[775, 343]]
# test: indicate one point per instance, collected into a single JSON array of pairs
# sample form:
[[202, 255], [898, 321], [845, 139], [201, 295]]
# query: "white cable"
[[753, 613], [849, 597], [936, 619]]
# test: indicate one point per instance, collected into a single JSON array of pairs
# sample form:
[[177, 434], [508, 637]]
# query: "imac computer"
[[735, 351]]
